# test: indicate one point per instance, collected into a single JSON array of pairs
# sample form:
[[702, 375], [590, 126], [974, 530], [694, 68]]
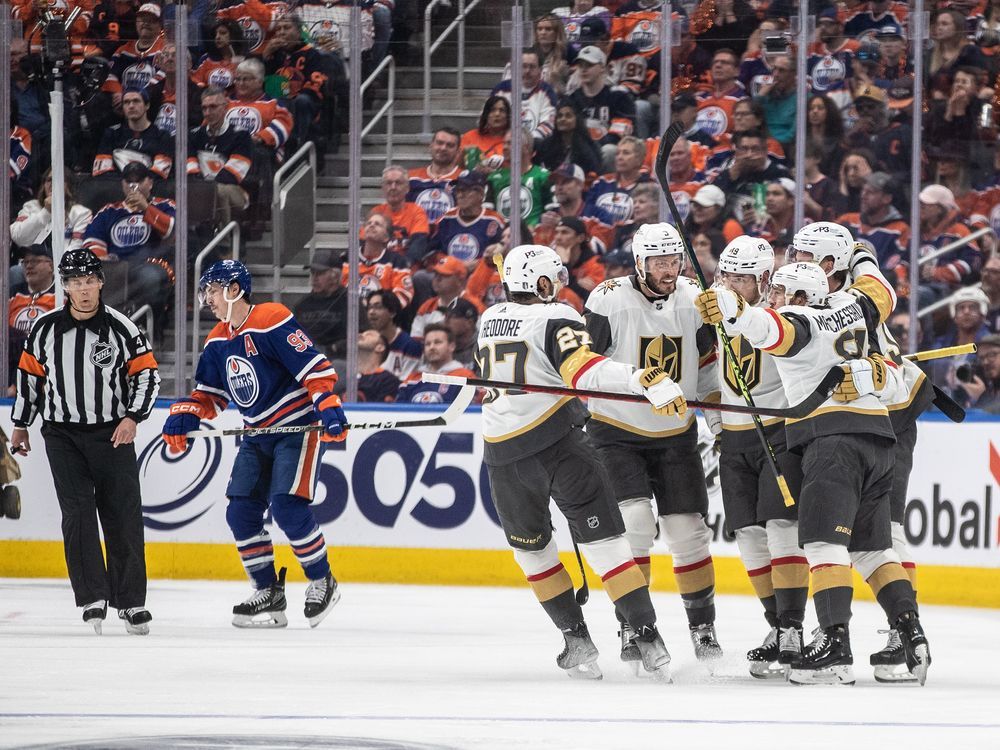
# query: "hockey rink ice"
[[446, 667]]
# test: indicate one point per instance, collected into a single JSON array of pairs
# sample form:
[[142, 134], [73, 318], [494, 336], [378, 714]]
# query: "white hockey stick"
[[448, 416]]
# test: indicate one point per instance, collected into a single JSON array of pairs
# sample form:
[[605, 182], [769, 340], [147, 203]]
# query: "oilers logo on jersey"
[[828, 73], [26, 318], [244, 118], [616, 205], [131, 231], [464, 246], [244, 386], [435, 202], [713, 120], [138, 76], [221, 78], [324, 30], [253, 34], [645, 35]]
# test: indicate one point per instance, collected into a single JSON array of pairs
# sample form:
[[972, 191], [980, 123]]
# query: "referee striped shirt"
[[85, 372]]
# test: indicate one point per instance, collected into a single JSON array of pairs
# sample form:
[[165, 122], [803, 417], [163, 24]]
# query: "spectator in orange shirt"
[[573, 247], [409, 221], [379, 267], [448, 284], [482, 147], [715, 104]]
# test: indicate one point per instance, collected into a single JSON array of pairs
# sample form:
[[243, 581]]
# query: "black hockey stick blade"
[[667, 141], [948, 406]]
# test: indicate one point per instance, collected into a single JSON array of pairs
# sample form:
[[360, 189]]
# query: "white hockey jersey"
[[808, 341], [541, 344], [633, 329]]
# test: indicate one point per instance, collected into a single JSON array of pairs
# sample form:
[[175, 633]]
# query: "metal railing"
[[232, 228], [145, 312], [950, 247], [278, 203], [387, 108], [429, 49]]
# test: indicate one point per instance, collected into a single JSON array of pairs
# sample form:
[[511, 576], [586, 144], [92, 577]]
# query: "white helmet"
[[526, 264], [969, 294], [752, 256], [825, 239], [803, 277], [651, 240]]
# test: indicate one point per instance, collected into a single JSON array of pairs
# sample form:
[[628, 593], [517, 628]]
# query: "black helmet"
[[79, 262]]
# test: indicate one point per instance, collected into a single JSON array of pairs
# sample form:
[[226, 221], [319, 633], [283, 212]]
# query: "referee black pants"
[[93, 479]]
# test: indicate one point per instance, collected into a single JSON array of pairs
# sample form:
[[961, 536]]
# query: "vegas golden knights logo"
[[749, 363], [661, 351]]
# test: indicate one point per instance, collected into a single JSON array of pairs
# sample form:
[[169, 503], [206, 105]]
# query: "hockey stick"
[[583, 593], [948, 351], [803, 409], [447, 417], [670, 137]]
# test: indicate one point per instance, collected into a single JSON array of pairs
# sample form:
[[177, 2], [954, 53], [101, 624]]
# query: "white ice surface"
[[459, 668]]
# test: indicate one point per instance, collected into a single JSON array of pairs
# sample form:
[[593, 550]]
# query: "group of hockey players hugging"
[[660, 335]]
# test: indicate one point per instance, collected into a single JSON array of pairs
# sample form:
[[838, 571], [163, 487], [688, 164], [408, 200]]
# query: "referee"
[[90, 374]]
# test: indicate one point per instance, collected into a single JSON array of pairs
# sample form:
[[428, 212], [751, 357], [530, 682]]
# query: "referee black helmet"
[[80, 262]]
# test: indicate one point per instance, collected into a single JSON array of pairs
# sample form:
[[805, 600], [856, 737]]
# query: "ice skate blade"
[[586, 671], [924, 656], [273, 620], [636, 670], [840, 675], [894, 674], [661, 674], [96, 624], [142, 629], [768, 670], [317, 619]]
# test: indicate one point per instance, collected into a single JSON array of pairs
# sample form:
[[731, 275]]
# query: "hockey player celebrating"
[[912, 395], [649, 320], [258, 357], [535, 448], [846, 448], [766, 531]]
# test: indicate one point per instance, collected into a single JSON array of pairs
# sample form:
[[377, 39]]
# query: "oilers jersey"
[[610, 201], [541, 344], [433, 193], [120, 231], [629, 327], [268, 367]]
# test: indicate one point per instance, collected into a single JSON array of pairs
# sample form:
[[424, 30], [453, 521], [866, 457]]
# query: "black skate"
[[763, 660], [827, 660], [706, 645], [918, 652], [789, 646], [655, 657], [136, 620], [890, 662], [265, 608], [630, 651], [94, 614], [321, 595], [579, 657]]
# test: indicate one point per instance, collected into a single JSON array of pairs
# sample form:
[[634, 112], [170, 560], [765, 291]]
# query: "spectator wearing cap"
[[137, 140], [383, 310], [608, 113], [432, 186], [29, 300], [709, 211], [893, 64], [717, 99], [323, 312], [136, 232], [469, 228], [535, 191], [221, 154], [439, 358], [610, 196], [831, 58], [570, 142], [33, 225], [646, 203], [375, 383], [567, 191], [134, 64], [778, 224], [778, 100], [879, 224], [379, 267], [877, 15], [583, 264], [941, 224], [448, 283], [410, 227], [617, 264], [583, 20], [872, 116], [750, 165], [982, 389], [538, 99], [626, 65], [991, 288], [967, 325], [462, 318]]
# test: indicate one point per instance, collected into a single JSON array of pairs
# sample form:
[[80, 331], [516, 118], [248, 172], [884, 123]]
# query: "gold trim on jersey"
[[645, 433], [880, 412], [913, 394], [662, 351], [574, 363], [521, 430], [875, 290], [765, 421], [786, 336]]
